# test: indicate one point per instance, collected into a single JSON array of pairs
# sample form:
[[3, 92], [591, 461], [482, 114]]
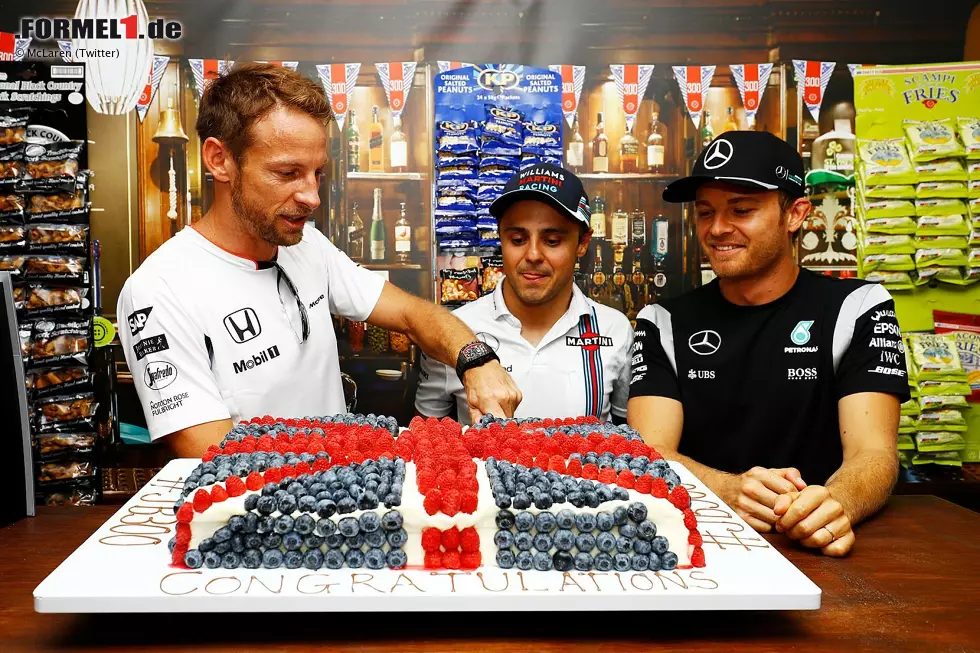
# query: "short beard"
[[766, 258], [252, 221]]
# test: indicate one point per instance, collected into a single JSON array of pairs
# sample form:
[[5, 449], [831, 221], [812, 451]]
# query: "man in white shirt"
[[231, 318], [569, 355]]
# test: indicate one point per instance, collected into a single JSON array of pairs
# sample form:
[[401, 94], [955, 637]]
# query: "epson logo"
[[262, 357], [802, 373]]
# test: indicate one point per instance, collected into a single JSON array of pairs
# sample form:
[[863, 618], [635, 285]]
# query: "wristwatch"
[[473, 355]]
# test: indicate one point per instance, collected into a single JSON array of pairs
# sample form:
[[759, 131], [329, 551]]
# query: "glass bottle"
[[629, 152], [656, 145], [638, 231], [575, 156], [378, 232], [355, 236], [353, 144], [376, 144], [600, 147], [707, 132], [620, 227], [730, 123], [403, 238], [598, 287], [598, 221], [399, 146]]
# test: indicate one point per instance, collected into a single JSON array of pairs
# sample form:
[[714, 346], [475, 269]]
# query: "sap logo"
[[801, 373], [263, 356], [159, 374], [317, 301], [137, 320], [243, 325], [700, 374], [504, 79], [888, 370]]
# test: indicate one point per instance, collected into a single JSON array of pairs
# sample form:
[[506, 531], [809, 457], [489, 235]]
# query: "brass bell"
[[170, 131]]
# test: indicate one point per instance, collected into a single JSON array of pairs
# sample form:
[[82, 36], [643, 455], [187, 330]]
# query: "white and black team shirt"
[[760, 384], [581, 367], [209, 335]]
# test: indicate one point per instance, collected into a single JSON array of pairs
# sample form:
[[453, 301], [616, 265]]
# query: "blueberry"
[[251, 523], [293, 559], [605, 493], [627, 531], [603, 562], [335, 540], [325, 496], [346, 506], [325, 528], [543, 542], [506, 559], [576, 498], [238, 544], [592, 499], [368, 501], [521, 501], [375, 559], [252, 559], [348, 527], [563, 561], [223, 534], [222, 548], [312, 541], [668, 560], [230, 560], [660, 544], [266, 505], [545, 522], [637, 511], [622, 562], [585, 522], [212, 560], [296, 489], [205, 545], [397, 559], [624, 545], [392, 520], [251, 501], [542, 561], [640, 562], [503, 539], [333, 559], [375, 539], [565, 519], [605, 521], [304, 524], [564, 540], [207, 479], [292, 541], [646, 529], [397, 539], [287, 504], [523, 540], [193, 559], [284, 524], [525, 560], [369, 522], [543, 501], [621, 494], [620, 516], [340, 495], [583, 562], [306, 503], [655, 564], [606, 542], [585, 542], [288, 480], [354, 559], [524, 521], [642, 547]]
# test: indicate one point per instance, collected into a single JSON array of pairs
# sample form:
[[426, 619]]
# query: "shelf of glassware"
[[387, 176], [628, 176]]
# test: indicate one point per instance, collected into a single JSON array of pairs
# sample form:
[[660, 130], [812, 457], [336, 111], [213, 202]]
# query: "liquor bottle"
[[629, 152], [658, 280], [353, 144], [636, 291], [617, 292], [575, 156], [620, 227], [707, 132], [355, 236], [730, 124], [600, 147], [378, 233], [580, 278], [399, 146], [403, 238], [597, 289], [638, 231], [656, 145], [376, 146], [598, 221]]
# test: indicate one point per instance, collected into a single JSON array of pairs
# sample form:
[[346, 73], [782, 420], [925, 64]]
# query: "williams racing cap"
[[746, 158], [546, 183]]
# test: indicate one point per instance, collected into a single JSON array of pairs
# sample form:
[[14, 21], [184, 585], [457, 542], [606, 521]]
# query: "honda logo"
[[243, 325]]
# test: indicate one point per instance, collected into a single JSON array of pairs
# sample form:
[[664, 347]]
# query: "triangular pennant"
[[152, 84], [397, 78], [811, 82], [64, 47], [751, 79], [12, 48], [207, 70], [572, 81], [694, 82], [452, 65], [854, 66], [292, 65], [339, 80], [631, 82]]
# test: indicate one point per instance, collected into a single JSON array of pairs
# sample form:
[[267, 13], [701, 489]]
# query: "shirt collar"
[[578, 307], [223, 254]]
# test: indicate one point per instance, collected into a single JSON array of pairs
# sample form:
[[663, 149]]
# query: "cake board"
[[124, 567]]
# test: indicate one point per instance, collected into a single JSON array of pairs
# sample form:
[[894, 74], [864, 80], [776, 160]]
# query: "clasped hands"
[[779, 500]]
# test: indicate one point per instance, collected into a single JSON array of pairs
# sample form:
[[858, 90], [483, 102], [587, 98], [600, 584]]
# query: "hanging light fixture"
[[114, 83]]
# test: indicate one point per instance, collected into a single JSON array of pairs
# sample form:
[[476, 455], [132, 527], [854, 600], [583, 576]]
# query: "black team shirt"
[[760, 384]]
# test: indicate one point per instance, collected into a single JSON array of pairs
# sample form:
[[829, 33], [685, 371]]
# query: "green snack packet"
[[888, 244], [953, 276], [975, 238], [942, 225], [936, 402], [892, 280], [932, 139], [941, 170], [969, 132], [888, 209], [944, 189], [941, 420], [936, 357], [943, 388], [902, 225], [929, 441], [886, 162], [910, 408], [941, 257], [905, 442], [891, 191], [948, 458], [937, 206], [972, 274], [904, 460], [942, 242], [973, 258], [974, 207], [888, 263]]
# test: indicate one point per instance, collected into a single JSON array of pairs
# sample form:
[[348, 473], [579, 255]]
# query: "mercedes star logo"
[[718, 154], [704, 343], [781, 172]]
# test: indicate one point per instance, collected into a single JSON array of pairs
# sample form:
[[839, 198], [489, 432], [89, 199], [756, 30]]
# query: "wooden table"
[[909, 585]]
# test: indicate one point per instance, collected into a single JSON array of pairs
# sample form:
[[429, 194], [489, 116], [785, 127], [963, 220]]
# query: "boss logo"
[[243, 325], [801, 373]]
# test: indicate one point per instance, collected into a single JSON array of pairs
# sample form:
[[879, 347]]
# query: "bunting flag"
[[572, 81], [397, 78], [339, 80], [64, 47], [452, 65], [694, 82], [157, 70], [811, 82], [207, 70], [631, 82], [292, 65], [854, 66], [751, 79], [12, 48]]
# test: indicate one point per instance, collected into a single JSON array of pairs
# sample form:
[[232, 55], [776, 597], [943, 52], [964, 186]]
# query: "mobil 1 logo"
[[263, 356]]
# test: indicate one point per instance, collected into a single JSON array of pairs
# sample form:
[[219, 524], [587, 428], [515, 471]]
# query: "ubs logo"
[[243, 325]]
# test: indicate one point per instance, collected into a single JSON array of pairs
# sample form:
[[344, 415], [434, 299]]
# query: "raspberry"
[[446, 480], [541, 461], [450, 503], [450, 560], [574, 467], [525, 459], [433, 501], [450, 539], [557, 464], [690, 521], [607, 475], [416, 423], [282, 448], [470, 560], [590, 472], [655, 455], [208, 456], [695, 538], [202, 500], [264, 444], [235, 486], [183, 535], [433, 560], [321, 465], [680, 498], [254, 481], [469, 540], [468, 502], [273, 475], [659, 488], [469, 484], [177, 558], [697, 558], [185, 513], [248, 447], [626, 479], [288, 470], [639, 448], [231, 447], [218, 494], [552, 448], [431, 540], [302, 468], [644, 483]]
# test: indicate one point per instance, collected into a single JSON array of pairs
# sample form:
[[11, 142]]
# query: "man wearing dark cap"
[[778, 387], [568, 355]]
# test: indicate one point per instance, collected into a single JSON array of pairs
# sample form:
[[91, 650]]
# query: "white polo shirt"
[[207, 336], [581, 367]]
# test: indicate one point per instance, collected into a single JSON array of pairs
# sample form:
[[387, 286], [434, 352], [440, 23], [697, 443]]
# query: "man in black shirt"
[[779, 388]]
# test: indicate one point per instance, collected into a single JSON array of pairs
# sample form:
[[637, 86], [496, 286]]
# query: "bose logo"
[[243, 325]]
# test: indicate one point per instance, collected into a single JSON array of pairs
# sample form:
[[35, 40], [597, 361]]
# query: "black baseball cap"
[[745, 158], [546, 183]]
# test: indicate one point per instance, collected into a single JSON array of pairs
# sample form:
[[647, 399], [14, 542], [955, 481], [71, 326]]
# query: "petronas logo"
[[801, 332]]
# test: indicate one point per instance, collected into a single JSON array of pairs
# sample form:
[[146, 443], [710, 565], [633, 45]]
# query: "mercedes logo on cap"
[[719, 153], [704, 343], [781, 172]]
